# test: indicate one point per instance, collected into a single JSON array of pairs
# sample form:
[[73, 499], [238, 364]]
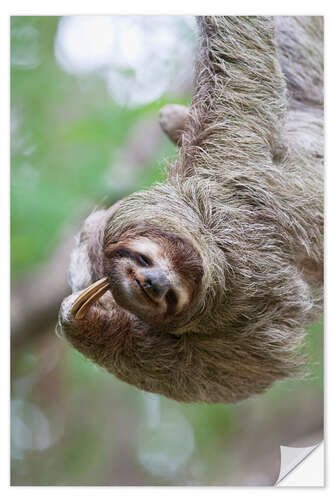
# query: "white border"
[[132, 7], [309, 472]]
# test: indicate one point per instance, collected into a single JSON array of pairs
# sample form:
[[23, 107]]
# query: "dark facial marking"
[[143, 260], [171, 299], [122, 252]]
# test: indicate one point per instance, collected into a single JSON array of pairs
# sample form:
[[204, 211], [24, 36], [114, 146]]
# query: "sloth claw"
[[88, 296]]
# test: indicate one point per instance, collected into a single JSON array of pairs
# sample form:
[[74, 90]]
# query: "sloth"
[[201, 288]]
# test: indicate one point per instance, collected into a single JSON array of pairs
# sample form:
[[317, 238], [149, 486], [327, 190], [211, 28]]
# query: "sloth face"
[[155, 278]]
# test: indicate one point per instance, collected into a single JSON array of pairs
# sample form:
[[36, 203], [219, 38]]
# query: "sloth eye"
[[143, 260]]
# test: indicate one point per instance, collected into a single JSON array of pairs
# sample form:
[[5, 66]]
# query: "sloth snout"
[[155, 283]]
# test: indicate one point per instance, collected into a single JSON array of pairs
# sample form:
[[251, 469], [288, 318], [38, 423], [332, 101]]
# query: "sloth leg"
[[172, 119]]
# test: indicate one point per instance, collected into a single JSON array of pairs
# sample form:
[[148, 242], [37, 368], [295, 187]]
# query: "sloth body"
[[211, 278]]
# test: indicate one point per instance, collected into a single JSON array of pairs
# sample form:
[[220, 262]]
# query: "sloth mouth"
[[146, 296]]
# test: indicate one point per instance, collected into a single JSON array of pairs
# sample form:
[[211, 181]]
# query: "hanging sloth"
[[200, 289]]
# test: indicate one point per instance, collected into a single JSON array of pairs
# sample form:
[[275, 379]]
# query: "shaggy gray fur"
[[247, 191]]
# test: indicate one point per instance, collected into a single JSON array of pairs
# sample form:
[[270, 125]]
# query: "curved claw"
[[88, 296]]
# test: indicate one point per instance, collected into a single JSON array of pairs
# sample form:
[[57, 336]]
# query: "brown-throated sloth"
[[206, 283]]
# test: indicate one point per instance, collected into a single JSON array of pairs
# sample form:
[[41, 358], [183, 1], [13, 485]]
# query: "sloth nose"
[[155, 282]]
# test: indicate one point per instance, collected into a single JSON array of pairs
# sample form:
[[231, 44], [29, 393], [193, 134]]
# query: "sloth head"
[[153, 274]]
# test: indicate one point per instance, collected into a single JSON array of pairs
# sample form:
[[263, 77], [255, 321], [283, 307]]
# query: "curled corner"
[[291, 457]]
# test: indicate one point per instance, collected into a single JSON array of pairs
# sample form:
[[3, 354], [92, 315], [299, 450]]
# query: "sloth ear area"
[[172, 120]]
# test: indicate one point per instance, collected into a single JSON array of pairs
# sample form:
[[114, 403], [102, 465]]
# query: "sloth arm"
[[97, 333], [239, 96]]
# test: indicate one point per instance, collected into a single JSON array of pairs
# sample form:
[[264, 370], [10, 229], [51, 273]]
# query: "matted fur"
[[247, 192]]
